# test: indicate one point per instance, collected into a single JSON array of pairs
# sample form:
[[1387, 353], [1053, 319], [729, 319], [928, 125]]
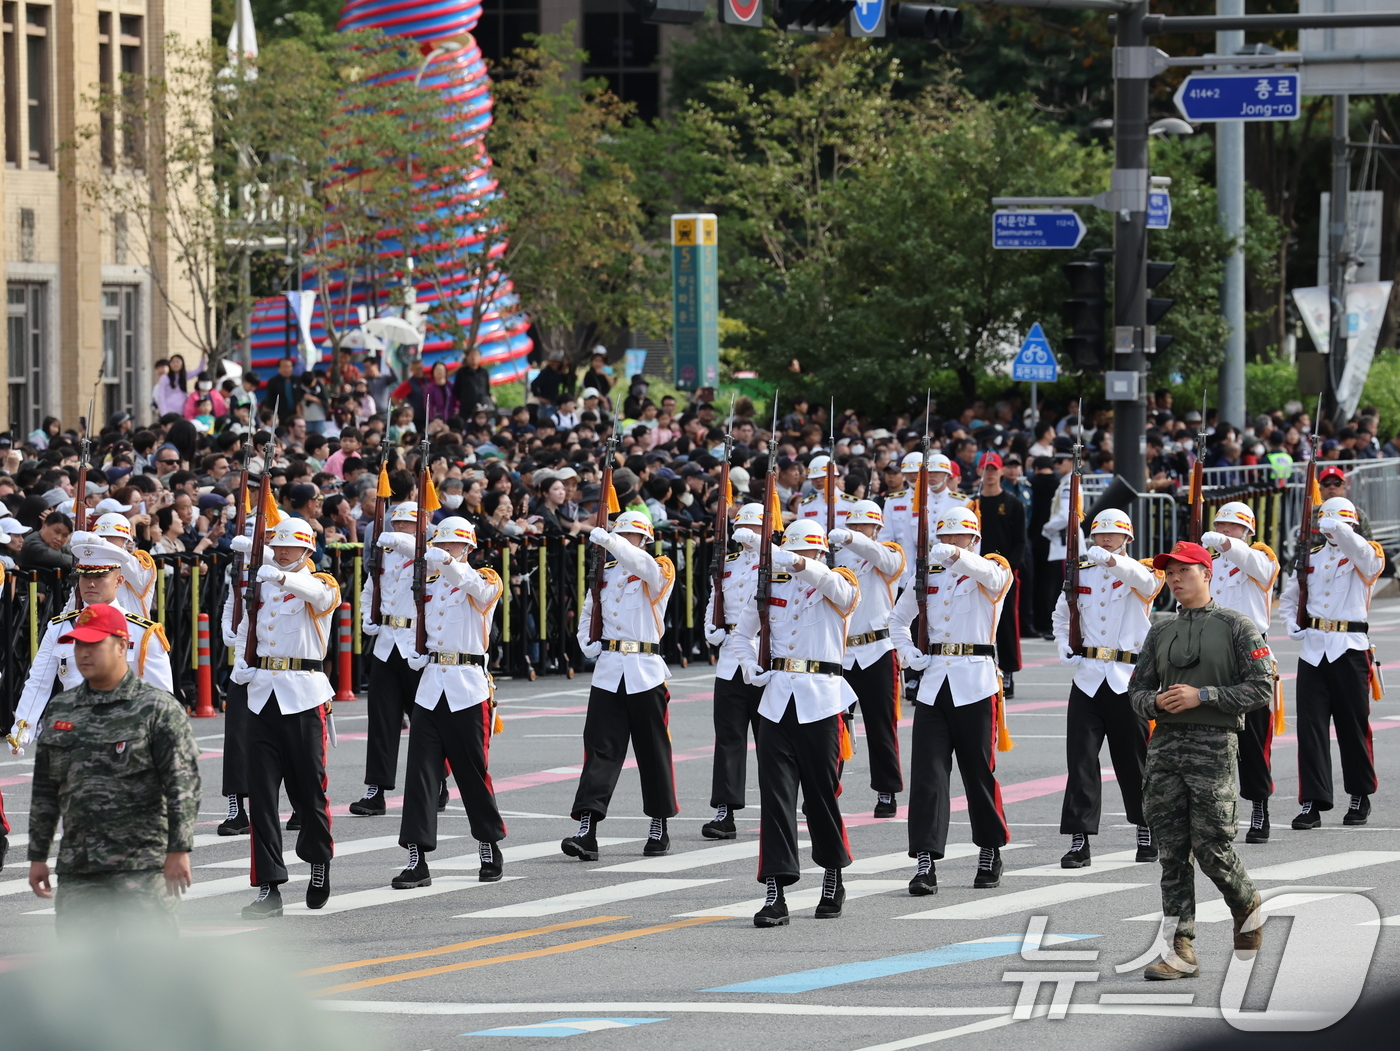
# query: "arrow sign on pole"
[[1239, 96], [1159, 210], [1035, 361], [1030, 228]]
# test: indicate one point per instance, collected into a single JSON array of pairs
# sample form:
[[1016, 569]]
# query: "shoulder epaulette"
[[610, 564], [847, 497], [780, 578], [1087, 563], [810, 497], [897, 494], [732, 556], [141, 622], [64, 617]]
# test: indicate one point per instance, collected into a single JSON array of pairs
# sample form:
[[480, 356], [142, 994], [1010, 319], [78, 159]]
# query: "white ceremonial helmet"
[[634, 522], [939, 464], [819, 467], [865, 512], [293, 532], [113, 524], [405, 512], [1112, 520], [1341, 508], [805, 534], [455, 530], [750, 515], [910, 463], [1236, 513], [959, 520]]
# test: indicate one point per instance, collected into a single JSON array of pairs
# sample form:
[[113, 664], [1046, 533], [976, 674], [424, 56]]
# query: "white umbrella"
[[394, 330], [359, 339]]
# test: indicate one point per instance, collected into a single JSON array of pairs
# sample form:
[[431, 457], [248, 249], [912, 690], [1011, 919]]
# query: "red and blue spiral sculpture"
[[458, 73]]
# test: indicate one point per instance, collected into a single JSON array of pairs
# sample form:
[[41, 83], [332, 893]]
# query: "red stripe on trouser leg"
[[325, 775], [252, 856], [4, 821]]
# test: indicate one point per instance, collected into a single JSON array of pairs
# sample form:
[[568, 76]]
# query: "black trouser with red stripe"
[[875, 688], [291, 750], [736, 709], [235, 773], [941, 731], [464, 740], [612, 720], [1338, 692], [1256, 755], [392, 687], [1087, 722], [793, 755], [1009, 628]]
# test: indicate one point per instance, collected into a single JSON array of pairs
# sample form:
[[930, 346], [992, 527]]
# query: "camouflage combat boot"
[[1182, 963], [1245, 940]]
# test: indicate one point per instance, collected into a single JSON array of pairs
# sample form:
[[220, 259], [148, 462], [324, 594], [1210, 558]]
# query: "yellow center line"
[[531, 955], [495, 939]]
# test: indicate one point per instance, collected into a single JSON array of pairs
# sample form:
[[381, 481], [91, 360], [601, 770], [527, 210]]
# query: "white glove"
[[21, 738], [269, 574], [1069, 659], [754, 675], [600, 536], [418, 661], [1295, 632], [915, 661], [241, 674], [745, 538], [387, 540], [838, 537], [81, 537], [715, 636], [1219, 541], [437, 556], [591, 650], [1098, 555], [783, 559], [241, 545], [1333, 527], [369, 629], [943, 554]]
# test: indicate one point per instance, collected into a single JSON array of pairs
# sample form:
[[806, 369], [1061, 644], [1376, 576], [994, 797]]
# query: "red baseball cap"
[[1185, 551], [1331, 472], [991, 460], [97, 622]]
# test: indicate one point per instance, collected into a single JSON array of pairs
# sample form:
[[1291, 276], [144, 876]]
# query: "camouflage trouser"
[[114, 903], [1189, 802]]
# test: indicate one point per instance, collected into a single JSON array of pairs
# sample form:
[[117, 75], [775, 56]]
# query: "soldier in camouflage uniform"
[[117, 761], [1197, 675]]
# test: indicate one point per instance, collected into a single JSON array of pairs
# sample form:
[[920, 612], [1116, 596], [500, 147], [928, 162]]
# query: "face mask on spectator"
[[451, 501], [356, 511]]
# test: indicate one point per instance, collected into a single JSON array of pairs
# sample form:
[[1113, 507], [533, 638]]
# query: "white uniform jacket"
[[460, 605], [397, 600], [1115, 611], [740, 581], [964, 604], [636, 587], [902, 522], [813, 505], [148, 656], [1057, 525], [137, 591], [295, 619], [808, 617], [1242, 578], [1340, 577], [878, 568]]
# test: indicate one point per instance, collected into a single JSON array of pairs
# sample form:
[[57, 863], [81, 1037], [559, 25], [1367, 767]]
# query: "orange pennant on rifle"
[[270, 511], [430, 501], [383, 489], [613, 506], [776, 510]]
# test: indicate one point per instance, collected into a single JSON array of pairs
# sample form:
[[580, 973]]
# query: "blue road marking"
[[564, 1027]]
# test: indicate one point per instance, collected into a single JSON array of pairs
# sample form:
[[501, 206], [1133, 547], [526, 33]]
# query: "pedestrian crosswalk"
[[1119, 859], [805, 898], [996, 905], [386, 895], [588, 899]]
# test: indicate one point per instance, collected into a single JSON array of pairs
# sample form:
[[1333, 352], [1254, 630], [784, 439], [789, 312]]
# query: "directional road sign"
[[1239, 96], [1031, 228], [867, 18], [1035, 361], [1159, 210]]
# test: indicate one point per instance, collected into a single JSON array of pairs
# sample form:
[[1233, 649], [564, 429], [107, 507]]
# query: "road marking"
[[806, 898], [1321, 866], [689, 859], [845, 973], [1121, 859], [438, 1007], [998, 905], [525, 852], [590, 899], [943, 1034], [342, 849], [900, 859], [565, 1027], [533, 954], [1216, 911], [475, 943], [365, 899], [207, 889]]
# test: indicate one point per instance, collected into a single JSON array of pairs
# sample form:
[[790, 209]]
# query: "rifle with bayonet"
[[1196, 512], [722, 523], [831, 487], [420, 549], [921, 536], [255, 560], [240, 522], [765, 544], [1073, 537], [595, 622], [374, 556], [1303, 563]]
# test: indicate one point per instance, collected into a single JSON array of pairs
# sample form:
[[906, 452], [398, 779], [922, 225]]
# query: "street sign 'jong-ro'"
[[1239, 96], [1028, 228], [1035, 361]]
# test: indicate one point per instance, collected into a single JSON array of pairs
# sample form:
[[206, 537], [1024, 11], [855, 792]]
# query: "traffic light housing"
[[1083, 314], [1156, 274], [928, 22], [670, 12], [811, 15]]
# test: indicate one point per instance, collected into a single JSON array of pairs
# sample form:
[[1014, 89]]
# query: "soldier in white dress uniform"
[[137, 591], [454, 710], [821, 473], [901, 512]]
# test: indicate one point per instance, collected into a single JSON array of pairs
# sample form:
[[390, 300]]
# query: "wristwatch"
[[1204, 694]]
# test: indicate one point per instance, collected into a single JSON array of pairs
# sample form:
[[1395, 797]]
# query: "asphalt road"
[[663, 953]]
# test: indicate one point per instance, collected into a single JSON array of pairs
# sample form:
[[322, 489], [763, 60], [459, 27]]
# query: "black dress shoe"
[[1079, 855], [829, 907], [492, 863], [1258, 823], [1308, 817], [318, 891], [720, 828], [772, 915], [234, 826], [4, 848], [443, 796], [886, 807], [1008, 687], [988, 872], [294, 822], [267, 905], [370, 806], [924, 883], [1358, 812], [417, 876], [585, 848], [1146, 845], [658, 846]]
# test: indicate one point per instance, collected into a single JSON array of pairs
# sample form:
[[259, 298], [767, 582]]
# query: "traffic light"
[[1157, 307], [670, 12], [928, 22], [811, 15], [1083, 314]]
